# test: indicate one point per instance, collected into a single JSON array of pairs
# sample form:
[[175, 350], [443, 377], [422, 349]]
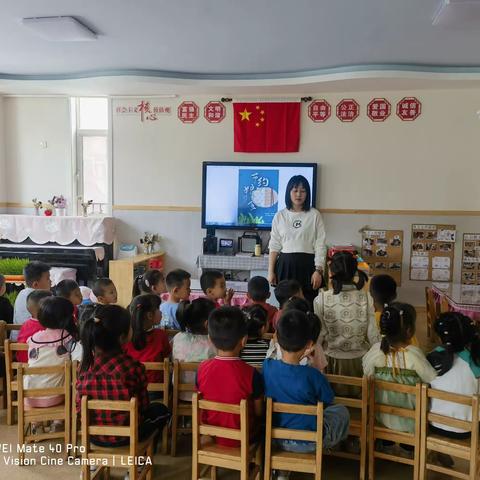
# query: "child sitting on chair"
[[178, 286], [395, 359], [193, 344], [226, 378], [32, 325], [148, 344], [214, 287], [70, 290], [37, 277], [53, 346], [287, 381], [256, 349], [107, 373], [6, 309], [258, 293]]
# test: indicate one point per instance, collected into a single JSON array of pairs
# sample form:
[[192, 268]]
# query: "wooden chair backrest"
[[444, 305], [178, 384], [11, 365], [431, 308], [64, 389], [5, 329], [130, 430], [164, 386]]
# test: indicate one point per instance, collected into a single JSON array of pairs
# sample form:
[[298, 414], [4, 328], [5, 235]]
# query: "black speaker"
[[209, 245]]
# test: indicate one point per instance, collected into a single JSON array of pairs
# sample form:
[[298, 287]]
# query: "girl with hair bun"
[[395, 359], [457, 362], [347, 315], [150, 282]]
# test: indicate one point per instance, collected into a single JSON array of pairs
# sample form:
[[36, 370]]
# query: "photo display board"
[[383, 251], [471, 259], [433, 248]]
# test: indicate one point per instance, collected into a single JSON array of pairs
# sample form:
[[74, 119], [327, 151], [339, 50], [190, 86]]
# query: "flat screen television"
[[247, 195]]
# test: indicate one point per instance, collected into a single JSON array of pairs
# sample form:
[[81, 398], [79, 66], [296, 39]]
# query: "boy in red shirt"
[[258, 293], [226, 378], [32, 325]]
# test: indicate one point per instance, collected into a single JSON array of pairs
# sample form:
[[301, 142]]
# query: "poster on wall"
[[471, 259], [432, 252], [383, 251]]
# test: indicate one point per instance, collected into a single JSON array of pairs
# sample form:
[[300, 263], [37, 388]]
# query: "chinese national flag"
[[266, 127]]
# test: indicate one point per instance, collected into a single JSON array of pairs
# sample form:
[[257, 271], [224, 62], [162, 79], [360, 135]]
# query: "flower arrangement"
[[85, 206], [48, 208], [148, 241], [37, 205], [59, 202]]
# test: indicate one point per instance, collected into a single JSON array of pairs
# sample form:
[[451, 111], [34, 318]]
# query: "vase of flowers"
[[48, 209], [60, 204], [85, 206], [148, 241], [37, 205]]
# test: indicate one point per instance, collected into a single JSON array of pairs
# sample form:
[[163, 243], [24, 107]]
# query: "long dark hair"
[[143, 283], [192, 316], [458, 332], [257, 318], [57, 313], [103, 331], [343, 267], [296, 181], [139, 308], [397, 325]]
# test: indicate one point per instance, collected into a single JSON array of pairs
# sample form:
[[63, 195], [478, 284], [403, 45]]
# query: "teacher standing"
[[297, 241]]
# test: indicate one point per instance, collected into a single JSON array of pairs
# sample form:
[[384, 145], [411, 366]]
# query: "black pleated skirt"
[[300, 267]]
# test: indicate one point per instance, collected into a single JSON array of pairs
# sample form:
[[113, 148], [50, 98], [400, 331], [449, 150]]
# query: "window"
[[92, 141]]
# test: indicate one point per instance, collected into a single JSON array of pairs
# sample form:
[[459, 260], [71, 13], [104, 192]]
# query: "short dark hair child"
[[302, 305], [152, 281], [397, 325], [294, 331], [343, 268], [383, 290], [34, 272], [226, 327], [209, 278], [295, 182], [258, 289], [105, 291], [37, 295], [287, 289], [175, 278], [70, 290], [193, 316]]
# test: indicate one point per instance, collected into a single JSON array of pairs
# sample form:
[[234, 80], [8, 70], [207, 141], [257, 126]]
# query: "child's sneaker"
[[37, 428], [56, 426]]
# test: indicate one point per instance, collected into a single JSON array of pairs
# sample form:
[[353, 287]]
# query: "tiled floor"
[[167, 468]]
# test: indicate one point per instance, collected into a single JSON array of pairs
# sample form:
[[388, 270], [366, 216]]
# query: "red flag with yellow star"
[[266, 127]]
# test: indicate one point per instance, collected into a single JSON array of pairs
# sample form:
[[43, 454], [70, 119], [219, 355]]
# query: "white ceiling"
[[236, 46]]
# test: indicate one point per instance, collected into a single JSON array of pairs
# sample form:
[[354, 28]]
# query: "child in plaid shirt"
[[107, 373]]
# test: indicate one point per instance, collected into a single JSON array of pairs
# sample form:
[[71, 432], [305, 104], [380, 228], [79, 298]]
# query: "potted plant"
[[37, 205], [60, 204], [48, 208], [148, 241], [12, 268]]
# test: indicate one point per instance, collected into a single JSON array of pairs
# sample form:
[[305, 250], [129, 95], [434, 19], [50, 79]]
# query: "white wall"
[[33, 171]]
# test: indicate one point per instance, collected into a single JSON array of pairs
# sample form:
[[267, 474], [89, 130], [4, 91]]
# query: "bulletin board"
[[432, 252], [471, 259], [383, 251]]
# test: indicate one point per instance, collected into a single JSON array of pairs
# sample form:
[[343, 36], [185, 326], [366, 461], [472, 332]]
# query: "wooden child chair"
[[114, 456], [11, 368], [358, 408], [75, 419], [465, 449], [36, 414], [206, 452], [181, 408], [5, 329], [431, 310], [378, 432], [163, 388], [278, 459]]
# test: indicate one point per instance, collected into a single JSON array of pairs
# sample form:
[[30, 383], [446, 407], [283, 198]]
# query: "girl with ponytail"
[[457, 362], [193, 344], [107, 373], [395, 359], [148, 343], [347, 316], [151, 282]]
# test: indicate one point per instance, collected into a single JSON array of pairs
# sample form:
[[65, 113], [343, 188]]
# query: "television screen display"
[[248, 195]]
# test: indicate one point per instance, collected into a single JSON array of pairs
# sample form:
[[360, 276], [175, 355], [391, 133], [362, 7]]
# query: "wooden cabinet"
[[122, 273]]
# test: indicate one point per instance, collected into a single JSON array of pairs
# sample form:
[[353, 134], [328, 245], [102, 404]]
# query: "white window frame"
[[77, 156]]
